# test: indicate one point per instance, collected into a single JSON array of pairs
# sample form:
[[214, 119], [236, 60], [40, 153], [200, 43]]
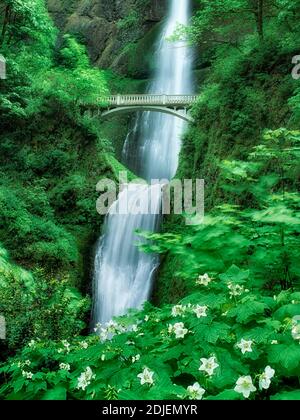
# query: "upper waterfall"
[[158, 136]]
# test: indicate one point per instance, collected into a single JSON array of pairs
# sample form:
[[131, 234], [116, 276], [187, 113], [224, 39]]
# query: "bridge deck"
[[148, 99]]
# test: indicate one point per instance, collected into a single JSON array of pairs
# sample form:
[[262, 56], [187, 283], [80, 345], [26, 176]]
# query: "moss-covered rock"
[[115, 32]]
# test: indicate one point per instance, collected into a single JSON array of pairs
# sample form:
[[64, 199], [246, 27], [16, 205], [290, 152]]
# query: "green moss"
[[138, 56]]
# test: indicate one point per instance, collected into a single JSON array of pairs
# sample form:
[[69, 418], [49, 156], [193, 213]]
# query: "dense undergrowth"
[[51, 159], [236, 336], [248, 88], [227, 325]]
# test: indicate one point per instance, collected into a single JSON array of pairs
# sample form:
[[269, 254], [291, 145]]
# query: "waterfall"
[[123, 274]]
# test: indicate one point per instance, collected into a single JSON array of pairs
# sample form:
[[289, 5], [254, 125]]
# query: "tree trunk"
[[260, 19], [5, 23]]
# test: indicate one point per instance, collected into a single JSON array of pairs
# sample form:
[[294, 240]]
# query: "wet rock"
[[115, 32]]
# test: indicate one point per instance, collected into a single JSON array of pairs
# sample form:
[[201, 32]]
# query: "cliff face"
[[119, 34]]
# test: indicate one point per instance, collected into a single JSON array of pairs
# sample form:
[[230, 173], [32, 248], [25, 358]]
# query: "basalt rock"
[[118, 34]]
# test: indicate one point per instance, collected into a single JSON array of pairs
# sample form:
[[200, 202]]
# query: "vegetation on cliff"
[[227, 322]]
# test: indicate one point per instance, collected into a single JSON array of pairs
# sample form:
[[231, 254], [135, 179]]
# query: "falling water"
[[123, 274]]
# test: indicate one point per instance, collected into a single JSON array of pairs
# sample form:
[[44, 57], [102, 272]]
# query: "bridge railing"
[[148, 99]]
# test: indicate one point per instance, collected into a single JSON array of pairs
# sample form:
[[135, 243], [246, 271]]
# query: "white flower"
[[136, 358], [27, 362], [66, 345], [85, 378], [82, 382], [97, 327], [178, 310], [146, 377], [102, 357], [134, 328], [274, 342], [200, 311], [146, 318], [179, 330], [209, 365], [195, 391], [203, 280], [235, 289], [170, 328], [64, 366], [296, 331], [245, 346], [89, 373], [31, 343], [265, 378], [27, 375], [244, 385], [104, 334], [111, 327], [84, 344]]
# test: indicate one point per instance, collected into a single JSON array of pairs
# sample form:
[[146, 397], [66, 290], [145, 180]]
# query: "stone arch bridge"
[[176, 105]]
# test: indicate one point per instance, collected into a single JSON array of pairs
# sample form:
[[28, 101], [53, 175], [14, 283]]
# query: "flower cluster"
[[83, 344], [181, 310], [22, 364], [66, 347], [64, 366], [236, 290], [245, 386], [136, 358], [27, 375], [178, 310], [108, 330], [85, 378]]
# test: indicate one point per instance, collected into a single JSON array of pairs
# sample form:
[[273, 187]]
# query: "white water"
[[123, 274]]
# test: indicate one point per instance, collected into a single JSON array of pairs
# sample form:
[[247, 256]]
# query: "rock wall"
[[119, 34]]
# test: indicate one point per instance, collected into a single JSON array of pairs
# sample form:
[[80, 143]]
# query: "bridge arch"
[[185, 116]]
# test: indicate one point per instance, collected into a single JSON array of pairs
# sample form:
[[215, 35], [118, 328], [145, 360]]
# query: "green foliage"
[[228, 22], [175, 360], [51, 160], [51, 156], [36, 306], [262, 232], [131, 20]]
